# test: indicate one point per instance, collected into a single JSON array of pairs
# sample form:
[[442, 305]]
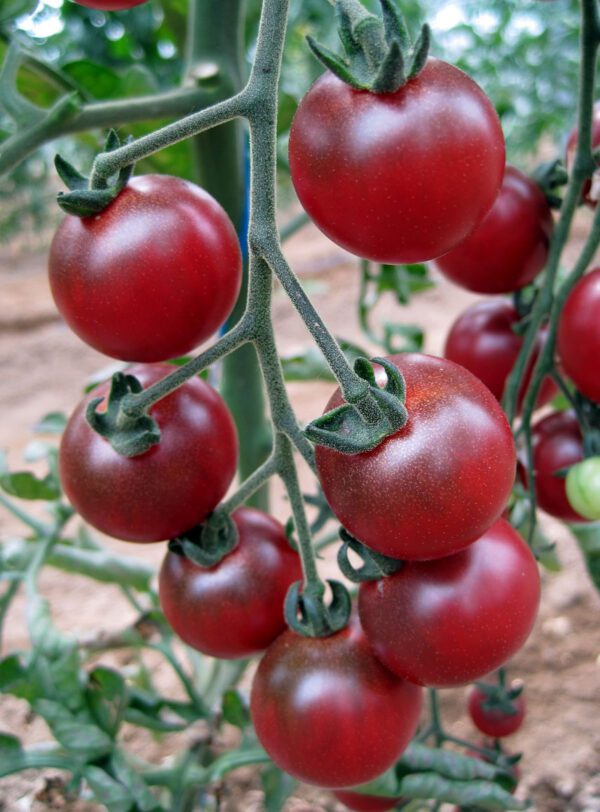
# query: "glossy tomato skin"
[[510, 246], [483, 341], [110, 5], [397, 177], [235, 608], [172, 486], [453, 620], [152, 276], [407, 497], [327, 711], [557, 444], [365, 803], [493, 721], [579, 335], [589, 197]]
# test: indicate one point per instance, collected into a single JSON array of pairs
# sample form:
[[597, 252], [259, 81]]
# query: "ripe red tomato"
[[327, 711], [397, 177], [494, 721], [171, 487], [510, 246], [235, 608], [483, 341], [110, 5], [451, 621], [152, 276], [579, 335], [407, 498], [365, 803], [590, 190], [557, 444]]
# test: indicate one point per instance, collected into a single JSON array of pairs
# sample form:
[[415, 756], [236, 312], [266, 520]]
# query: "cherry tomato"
[[407, 498], [327, 711], [397, 177], [235, 608], [365, 803], [590, 190], [451, 621], [579, 335], [557, 444], [510, 246], [583, 488], [171, 487], [164, 245], [494, 720], [110, 5], [483, 341]]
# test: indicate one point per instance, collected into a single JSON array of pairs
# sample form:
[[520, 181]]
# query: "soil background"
[[43, 368]]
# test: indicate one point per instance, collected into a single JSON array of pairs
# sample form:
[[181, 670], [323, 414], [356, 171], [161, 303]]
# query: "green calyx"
[[307, 614], [130, 435], [208, 543], [500, 698], [379, 54], [374, 565], [82, 200], [362, 426]]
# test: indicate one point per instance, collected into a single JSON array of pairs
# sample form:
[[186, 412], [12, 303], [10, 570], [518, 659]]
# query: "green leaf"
[[98, 80], [411, 337], [10, 746], [16, 8], [277, 786], [74, 733], [110, 793], [106, 696], [135, 784], [25, 485], [310, 365], [235, 711], [483, 794], [588, 538]]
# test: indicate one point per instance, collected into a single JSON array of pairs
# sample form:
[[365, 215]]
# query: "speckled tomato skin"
[[495, 722], [451, 621], [152, 276], [510, 246], [397, 177], [408, 497], [365, 803], [327, 711], [235, 608], [110, 5], [172, 486], [579, 335], [483, 341]]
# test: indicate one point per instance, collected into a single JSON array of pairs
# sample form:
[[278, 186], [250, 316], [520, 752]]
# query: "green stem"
[[436, 721], [252, 484], [29, 521]]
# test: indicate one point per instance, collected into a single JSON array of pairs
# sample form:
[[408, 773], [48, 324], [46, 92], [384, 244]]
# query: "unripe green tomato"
[[583, 487]]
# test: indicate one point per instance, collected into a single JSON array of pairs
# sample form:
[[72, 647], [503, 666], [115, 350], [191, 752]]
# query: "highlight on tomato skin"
[[406, 498], [234, 608], [509, 248], [578, 338], [170, 488], [451, 621], [328, 712]]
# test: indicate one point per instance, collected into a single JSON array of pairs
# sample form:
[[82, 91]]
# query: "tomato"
[[557, 444], [510, 247], [235, 608], [152, 276], [397, 177], [579, 335], [451, 621], [110, 5], [171, 487], [327, 711], [365, 803], [483, 341], [436, 485], [583, 488], [590, 190], [491, 719]]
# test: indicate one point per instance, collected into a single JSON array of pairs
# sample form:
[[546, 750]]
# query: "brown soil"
[[42, 369]]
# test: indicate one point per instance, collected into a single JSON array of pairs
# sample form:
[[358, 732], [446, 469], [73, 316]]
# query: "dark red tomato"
[[365, 803], [171, 487], [110, 5], [590, 188], [327, 711], [510, 247], [234, 609], [397, 177], [152, 276], [491, 719], [483, 341], [557, 444], [579, 335], [451, 621], [437, 484]]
